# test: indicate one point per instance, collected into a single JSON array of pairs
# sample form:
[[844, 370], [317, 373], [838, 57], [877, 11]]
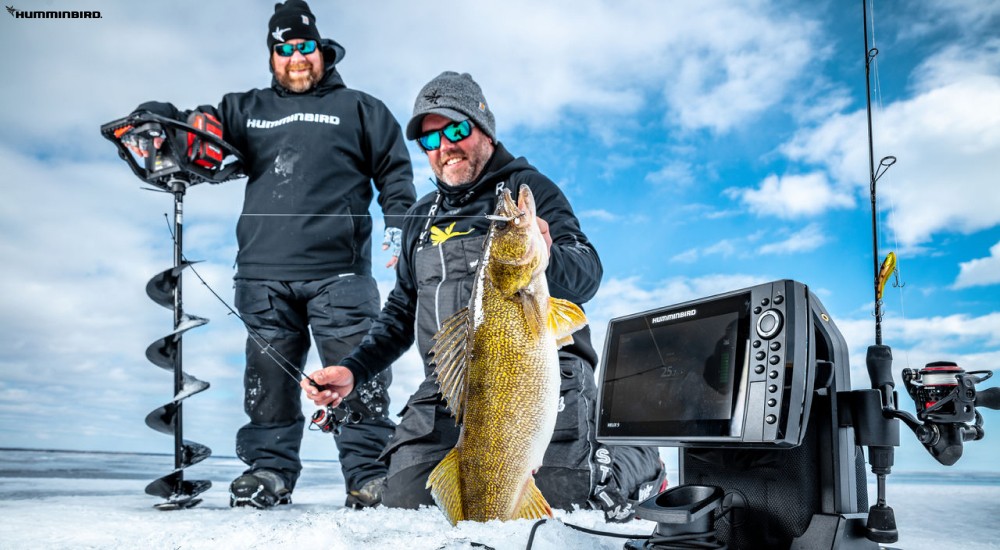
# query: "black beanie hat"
[[291, 20]]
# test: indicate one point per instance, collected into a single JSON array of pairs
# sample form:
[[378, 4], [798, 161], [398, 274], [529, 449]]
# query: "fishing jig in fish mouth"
[[504, 219]]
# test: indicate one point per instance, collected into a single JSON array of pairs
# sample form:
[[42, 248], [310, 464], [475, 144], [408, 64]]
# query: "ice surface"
[[95, 500]]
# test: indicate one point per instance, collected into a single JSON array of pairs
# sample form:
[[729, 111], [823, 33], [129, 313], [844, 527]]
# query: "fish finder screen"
[[677, 373]]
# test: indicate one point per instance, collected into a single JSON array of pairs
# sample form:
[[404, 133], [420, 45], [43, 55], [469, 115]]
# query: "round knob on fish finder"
[[769, 324]]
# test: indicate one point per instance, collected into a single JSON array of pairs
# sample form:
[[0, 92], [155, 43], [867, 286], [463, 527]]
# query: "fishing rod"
[[945, 395], [881, 523], [874, 176]]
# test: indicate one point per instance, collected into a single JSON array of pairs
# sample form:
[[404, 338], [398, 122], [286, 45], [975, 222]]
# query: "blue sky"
[[705, 146]]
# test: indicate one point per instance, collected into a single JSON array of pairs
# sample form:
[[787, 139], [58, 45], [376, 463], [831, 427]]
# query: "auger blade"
[[162, 419], [163, 352], [174, 487], [194, 453], [161, 287]]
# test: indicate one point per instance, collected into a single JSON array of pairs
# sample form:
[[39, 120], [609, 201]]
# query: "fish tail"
[[446, 487], [533, 504]]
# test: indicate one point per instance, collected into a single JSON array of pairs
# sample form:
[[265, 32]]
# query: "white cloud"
[[918, 341], [599, 214], [792, 196], [675, 174], [946, 139], [809, 238], [741, 62], [971, 18], [715, 64], [618, 297], [981, 271]]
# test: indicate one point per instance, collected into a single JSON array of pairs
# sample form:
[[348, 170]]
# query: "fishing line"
[[892, 203], [292, 215], [263, 343]]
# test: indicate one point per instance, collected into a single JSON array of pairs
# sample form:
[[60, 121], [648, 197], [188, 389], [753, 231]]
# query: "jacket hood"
[[332, 50]]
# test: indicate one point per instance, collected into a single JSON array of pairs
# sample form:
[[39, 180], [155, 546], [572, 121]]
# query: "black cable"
[[531, 535], [707, 539]]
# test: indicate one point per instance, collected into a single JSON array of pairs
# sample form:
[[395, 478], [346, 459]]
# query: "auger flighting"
[[152, 150]]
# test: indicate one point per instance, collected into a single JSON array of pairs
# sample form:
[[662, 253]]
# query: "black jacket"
[[310, 159], [574, 271]]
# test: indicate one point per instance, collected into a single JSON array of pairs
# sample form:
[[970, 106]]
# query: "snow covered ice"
[[56, 500]]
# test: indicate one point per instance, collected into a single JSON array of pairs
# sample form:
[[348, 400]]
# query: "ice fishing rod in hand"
[[328, 419]]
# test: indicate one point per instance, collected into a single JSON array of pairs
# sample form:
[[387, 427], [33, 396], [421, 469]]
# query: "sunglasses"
[[455, 132], [288, 50]]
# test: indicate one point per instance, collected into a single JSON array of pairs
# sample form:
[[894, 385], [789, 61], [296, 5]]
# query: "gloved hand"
[[160, 108], [144, 144], [393, 241], [141, 145]]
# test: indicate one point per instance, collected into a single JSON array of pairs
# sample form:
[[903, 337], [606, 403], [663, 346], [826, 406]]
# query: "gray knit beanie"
[[454, 96]]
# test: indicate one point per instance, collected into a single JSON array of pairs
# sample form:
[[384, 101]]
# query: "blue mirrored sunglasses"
[[455, 132], [288, 50]]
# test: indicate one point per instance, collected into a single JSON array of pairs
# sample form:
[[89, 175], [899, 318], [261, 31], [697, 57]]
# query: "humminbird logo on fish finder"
[[673, 316]]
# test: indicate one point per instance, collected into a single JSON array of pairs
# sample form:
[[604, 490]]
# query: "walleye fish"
[[497, 366]]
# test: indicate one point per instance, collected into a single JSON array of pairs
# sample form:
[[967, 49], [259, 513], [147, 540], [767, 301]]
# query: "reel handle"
[[989, 398]]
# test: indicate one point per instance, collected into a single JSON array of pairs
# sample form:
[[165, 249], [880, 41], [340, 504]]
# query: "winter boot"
[[368, 496], [260, 489]]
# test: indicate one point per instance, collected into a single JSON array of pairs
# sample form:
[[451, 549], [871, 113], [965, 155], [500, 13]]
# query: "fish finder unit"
[[731, 370], [746, 384]]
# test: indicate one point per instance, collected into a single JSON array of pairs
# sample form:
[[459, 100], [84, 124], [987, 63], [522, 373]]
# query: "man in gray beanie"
[[313, 148], [443, 237]]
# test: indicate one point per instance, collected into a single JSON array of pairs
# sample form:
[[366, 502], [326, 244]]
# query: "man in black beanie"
[[443, 237], [312, 149]]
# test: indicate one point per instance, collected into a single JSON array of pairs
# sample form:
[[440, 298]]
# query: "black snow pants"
[[279, 315]]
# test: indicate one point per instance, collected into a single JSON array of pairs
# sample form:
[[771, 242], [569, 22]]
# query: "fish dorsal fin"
[[450, 358], [445, 483], [565, 318], [533, 504]]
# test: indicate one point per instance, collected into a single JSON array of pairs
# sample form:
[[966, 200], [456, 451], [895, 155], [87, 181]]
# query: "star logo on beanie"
[[433, 96], [279, 32]]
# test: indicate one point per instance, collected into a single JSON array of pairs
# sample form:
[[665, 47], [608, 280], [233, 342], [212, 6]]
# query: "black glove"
[[160, 108]]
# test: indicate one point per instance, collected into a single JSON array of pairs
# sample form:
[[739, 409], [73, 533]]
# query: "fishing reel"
[[946, 399], [332, 419]]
